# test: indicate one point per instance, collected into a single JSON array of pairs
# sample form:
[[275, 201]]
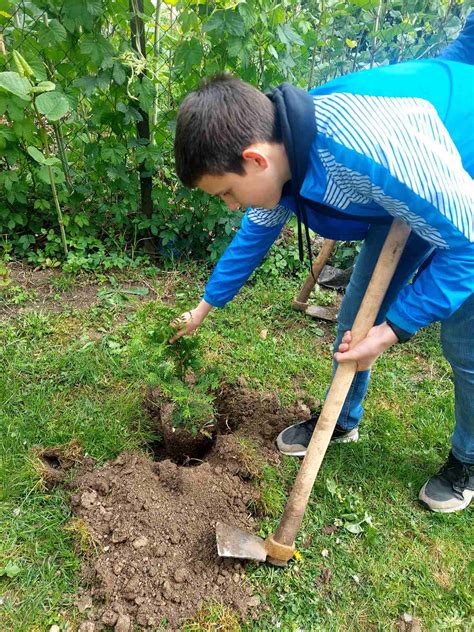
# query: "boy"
[[394, 141]]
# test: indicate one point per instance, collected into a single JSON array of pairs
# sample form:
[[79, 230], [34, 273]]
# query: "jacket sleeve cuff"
[[401, 334], [213, 301]]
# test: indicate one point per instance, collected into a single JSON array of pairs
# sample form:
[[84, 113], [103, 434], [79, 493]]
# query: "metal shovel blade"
[[235, 542], [323, 313]]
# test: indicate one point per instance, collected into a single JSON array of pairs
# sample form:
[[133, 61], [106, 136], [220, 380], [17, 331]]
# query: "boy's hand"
[[379, 338], [190, 321]]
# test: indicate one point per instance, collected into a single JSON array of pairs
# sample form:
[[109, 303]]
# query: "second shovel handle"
[[341, 383], [321, 260]]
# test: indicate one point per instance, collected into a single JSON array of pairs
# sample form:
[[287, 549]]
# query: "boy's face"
[[266, 171]]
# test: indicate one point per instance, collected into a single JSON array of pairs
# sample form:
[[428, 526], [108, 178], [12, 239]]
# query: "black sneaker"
[[451, 489], [294, 440]]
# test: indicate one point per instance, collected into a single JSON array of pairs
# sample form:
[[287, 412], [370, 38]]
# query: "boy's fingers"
[[174, 338]]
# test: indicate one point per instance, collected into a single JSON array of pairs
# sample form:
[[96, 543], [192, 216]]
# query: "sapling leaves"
[[183, 379]]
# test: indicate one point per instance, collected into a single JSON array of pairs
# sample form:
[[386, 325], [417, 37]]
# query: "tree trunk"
[[137, 28]]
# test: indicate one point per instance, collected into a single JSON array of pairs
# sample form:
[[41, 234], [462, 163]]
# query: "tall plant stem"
[[62, 154], [378, 16], [52, 180], [156, 50]]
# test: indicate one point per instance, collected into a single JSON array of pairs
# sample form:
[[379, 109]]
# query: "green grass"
[[80, 375]]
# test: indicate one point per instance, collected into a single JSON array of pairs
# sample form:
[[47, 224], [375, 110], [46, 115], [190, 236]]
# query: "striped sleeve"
[[396, 152], [258, 231]]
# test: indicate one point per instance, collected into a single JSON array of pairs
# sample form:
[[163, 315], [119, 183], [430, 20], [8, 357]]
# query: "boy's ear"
[[255, 155]]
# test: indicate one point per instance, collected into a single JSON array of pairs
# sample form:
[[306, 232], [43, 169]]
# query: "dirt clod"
[[123, 623], [140, 542]]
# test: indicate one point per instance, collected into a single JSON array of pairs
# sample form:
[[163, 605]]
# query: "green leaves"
[[17, 85], [147, 93], [43, 86], [24, 69], [10, 569], [38, 156], [53, 105], [188, 54], [288, 36], [225, 22]]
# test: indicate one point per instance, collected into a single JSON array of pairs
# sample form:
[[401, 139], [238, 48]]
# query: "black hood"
[[296, 126]]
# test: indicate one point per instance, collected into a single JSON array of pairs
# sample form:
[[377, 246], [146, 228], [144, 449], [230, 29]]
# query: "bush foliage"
[[94, 108]]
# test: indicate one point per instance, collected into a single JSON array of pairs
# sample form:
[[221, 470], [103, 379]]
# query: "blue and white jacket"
[[393, 141]]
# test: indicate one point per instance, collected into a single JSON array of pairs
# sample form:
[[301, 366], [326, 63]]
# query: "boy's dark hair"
[[216, 123]]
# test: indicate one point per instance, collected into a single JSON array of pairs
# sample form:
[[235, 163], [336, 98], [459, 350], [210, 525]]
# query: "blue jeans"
[[456, 336]]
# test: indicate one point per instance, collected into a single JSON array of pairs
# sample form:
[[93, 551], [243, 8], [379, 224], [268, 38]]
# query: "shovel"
[[279, 548], [301, 301]]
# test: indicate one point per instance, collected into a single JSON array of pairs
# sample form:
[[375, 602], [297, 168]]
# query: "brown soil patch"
[[154, 522], [48, 297]]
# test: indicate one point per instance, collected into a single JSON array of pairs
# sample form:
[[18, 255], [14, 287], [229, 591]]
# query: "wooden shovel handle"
[[300, 302], [381, 277]]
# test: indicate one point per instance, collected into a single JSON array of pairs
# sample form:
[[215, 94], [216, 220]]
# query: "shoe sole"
[[425, 501], [351, 438]]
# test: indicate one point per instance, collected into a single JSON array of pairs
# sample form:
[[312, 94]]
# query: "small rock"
[[87, 626], [180, 575], [84, 603], [106, 549], [236, 578], [325, 553], [109, 617], [123, 623], [54, 628], [175, 538], [160, 550], [105, 515], [140, 542], [253, 602], [132, 586], [119, 536], [89, 499]]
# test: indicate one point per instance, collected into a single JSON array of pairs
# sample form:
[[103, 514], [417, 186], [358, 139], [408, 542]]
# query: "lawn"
[[368, 554]]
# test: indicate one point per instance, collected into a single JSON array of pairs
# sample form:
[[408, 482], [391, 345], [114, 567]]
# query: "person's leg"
[[294, 439], [458, 349], [452, 488], [415, 252]]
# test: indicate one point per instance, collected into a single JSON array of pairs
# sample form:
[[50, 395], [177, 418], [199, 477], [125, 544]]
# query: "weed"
[[213, 617], [16, 294]]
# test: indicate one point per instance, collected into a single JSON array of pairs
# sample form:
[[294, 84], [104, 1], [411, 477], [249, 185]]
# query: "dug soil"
[[152, 523]]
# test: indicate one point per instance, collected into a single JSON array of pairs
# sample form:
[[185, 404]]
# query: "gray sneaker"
[[294, 440], [451, 489]]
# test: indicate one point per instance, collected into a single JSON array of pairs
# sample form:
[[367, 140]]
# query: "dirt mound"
[[258, 418], [154, 522], [154, 528]]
